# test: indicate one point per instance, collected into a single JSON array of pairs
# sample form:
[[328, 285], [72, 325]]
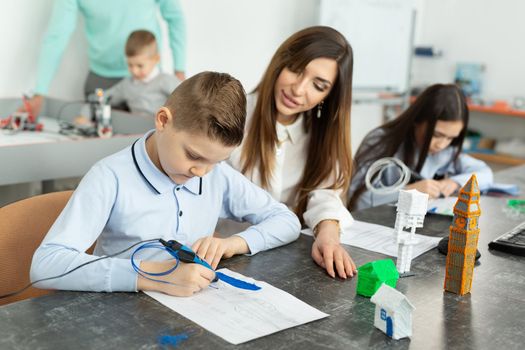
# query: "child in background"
[[107, 25], [170, 184], [147, 88], [428, 138]]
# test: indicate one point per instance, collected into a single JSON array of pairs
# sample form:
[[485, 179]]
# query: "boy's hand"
[[327, 252], [448, 187], [212, 249], [185, 280], [432, 187]]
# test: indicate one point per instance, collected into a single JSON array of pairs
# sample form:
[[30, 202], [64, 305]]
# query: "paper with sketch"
[[238, 315], [380, 239]]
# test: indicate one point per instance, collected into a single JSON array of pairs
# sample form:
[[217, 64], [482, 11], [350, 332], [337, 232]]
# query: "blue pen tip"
[[237, 282]]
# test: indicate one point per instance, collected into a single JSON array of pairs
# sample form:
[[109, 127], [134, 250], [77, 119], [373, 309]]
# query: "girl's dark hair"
[[443, 102], [328, 151]]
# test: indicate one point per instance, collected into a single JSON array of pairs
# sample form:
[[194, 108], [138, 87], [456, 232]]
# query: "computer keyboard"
[[512, 242]]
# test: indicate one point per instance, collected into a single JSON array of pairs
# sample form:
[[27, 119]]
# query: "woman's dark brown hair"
[[329, 150], [443, 102]]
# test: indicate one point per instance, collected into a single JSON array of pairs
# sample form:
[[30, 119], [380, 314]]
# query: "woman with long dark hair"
[[428, 138], [297, 140]]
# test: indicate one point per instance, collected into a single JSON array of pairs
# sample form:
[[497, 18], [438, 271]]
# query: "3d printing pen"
[[186, 255]]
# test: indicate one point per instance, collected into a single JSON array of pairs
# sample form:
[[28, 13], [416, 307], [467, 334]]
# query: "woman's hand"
[[327, 251], [212, 249]]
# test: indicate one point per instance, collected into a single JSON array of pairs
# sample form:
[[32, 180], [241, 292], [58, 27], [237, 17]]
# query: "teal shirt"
[[108, 24]]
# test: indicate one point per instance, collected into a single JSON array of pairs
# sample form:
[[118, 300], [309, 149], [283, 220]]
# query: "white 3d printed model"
[[411, 211], [393, 313]]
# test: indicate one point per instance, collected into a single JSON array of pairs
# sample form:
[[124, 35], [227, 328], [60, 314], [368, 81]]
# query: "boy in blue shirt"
[[169, 184]]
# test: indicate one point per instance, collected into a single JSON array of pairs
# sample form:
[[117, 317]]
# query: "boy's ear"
[[156, 58], [163, 118]]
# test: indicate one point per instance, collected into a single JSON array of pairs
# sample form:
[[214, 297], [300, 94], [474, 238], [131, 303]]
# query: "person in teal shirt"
[[108, 24]]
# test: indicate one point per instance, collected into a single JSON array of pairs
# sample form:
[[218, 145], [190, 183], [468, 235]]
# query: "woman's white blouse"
[[290, 161]]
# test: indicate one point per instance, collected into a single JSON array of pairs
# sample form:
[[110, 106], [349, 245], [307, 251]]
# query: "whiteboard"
[[381, 33]]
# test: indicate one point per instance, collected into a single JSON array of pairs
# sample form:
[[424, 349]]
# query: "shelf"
[[498, 158], [502, 109], [497, 110]]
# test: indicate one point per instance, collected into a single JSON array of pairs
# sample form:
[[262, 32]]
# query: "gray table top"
[[492, 316]]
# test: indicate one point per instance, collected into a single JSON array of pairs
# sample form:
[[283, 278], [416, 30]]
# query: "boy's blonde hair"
[[211, 103], [140, 42]]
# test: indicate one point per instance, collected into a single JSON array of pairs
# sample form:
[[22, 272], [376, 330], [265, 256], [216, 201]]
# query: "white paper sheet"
[[380, 239], [238, 315], [442, 206]]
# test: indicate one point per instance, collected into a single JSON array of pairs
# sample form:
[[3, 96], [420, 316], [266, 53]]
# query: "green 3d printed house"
[[370, 276]]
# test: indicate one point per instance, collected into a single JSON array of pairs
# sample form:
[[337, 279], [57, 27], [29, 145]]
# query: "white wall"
[[365, 117], [235, 36], [487, 31], [23, 24], [240, 36]]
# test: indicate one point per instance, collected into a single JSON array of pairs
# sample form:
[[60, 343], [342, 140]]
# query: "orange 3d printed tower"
[[463, 239]]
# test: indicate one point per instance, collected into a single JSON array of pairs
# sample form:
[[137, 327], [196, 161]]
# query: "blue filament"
[[237, 282]]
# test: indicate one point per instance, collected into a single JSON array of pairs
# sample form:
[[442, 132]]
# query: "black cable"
[[64, 105], [67, 127], [76, 268]]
